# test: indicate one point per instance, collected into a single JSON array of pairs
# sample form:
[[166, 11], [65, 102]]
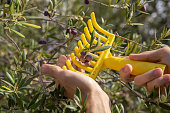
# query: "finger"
[[152, 56], [50, 70], [142, 79], [163, 80], [62, 61], [125, 73]]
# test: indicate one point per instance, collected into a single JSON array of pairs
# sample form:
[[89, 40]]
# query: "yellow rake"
[[105, 59]]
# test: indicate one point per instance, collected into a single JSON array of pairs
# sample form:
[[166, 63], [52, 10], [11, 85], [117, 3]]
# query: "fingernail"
[[166, 78], [157, 72]]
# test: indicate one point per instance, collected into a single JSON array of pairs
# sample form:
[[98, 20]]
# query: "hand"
[[97, 102], [154, 78]]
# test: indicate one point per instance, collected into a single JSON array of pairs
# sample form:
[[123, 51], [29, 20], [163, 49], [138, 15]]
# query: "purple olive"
[[83, 53], [86, 1], [82, 59], [8, 1], [74, 32], [68, 31], [46, 13], [87, 64], [143, 9], [88, 57], [42, 42]]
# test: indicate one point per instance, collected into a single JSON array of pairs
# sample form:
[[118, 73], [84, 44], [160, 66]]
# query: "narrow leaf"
[[18, 33], [23, 58], [31, 25], [50, 85], [33, 100], [78, 94], [10, 78], [101, 48], [7, 83], [92, 38]]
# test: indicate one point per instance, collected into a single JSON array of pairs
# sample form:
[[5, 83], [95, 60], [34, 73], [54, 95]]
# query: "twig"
[[110, 6], [131, 41], [13, 43], [134, 92], [59, 48]]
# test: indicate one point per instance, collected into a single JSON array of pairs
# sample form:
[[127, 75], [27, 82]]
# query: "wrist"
[[98, 102]]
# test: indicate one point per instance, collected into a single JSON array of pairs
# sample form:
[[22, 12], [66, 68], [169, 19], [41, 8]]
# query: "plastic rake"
[[105, 59]]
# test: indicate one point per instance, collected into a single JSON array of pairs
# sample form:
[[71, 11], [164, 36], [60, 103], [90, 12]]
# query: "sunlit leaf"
[[10, 78], [18, 33], [31, 25]]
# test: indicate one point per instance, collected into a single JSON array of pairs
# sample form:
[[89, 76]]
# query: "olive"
[[88, 57]]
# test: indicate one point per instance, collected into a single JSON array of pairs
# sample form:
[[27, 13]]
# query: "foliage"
[[25, 23]]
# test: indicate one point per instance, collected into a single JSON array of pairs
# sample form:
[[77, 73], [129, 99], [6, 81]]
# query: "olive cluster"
[[85, 58], [71, 31]]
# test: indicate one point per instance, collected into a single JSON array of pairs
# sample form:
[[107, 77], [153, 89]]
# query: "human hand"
[[97, 101], [154, 78]]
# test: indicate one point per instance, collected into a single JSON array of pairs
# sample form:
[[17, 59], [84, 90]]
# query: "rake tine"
[[64, 68], [90, 25], [95, 24], [85, 41], [70, 67], [81, 47], [87, 33], [77, 51]]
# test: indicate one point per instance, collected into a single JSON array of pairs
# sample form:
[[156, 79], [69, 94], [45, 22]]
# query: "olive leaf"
[[18, 33]]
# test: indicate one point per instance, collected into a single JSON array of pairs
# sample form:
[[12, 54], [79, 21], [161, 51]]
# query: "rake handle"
[[139, 67]]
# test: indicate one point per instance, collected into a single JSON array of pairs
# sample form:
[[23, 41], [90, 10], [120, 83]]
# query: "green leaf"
[[136, 24], [15, 61], [20, 102], [51, 84], [117, 108], [117, 1], [84, 23], [127, 50], [12, 10], [92, 38], [34, 99], [28, 82], [18, 33], [23, 58], [22, 82], [78, 94], [26, 72], [62, 92], [84, 103], [98, 41], [31, 25], [35, 17], [10, 78], [101, 48], [7, 83]]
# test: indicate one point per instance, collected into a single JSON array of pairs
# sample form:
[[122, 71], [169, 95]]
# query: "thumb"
[[50, 70], [150, 56]]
